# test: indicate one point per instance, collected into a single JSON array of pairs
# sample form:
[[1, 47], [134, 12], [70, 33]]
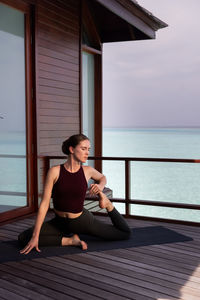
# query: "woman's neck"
[[72, 165]]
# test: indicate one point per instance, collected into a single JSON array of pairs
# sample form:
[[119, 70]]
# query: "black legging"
[[52, 232]]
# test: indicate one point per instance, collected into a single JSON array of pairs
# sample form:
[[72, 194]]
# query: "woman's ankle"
[[66, 241], [104, 202], [74, 241]]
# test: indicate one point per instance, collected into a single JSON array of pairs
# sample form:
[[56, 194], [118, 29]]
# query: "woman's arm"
[[44, 206], [98, 177]]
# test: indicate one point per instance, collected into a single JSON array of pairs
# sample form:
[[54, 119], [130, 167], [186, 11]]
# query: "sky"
[[156, 83]]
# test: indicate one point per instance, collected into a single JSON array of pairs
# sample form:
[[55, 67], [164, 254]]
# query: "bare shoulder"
[[53, 173], [55, 168], [88, 169], [90, 172]]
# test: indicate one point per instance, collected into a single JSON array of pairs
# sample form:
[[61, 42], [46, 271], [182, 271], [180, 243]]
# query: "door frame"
[[95, 48], [31, 154]]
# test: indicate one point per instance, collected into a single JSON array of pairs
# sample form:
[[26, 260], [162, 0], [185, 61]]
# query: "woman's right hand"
[[33, 243]]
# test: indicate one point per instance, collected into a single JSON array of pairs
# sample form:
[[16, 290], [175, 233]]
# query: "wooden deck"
[[167, 271]]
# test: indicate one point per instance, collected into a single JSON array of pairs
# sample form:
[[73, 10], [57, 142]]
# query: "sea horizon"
[[155, 181], [149, 128]]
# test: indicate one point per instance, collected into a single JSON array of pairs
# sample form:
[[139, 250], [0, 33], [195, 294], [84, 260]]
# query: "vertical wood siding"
[[57, 76], [57, 73]]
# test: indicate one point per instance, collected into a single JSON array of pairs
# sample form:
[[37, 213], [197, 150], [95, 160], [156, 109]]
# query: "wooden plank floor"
[[167, 271]]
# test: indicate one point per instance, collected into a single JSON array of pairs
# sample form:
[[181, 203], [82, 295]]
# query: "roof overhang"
[[123, 20]]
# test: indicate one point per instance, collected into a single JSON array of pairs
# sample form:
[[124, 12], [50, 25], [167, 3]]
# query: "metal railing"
[[127, 200]]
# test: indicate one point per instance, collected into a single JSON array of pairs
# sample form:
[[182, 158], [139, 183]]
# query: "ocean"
[[158, 181], [12, 170], [170, 182]]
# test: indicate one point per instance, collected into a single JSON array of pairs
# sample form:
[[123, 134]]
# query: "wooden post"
[[127, 188]]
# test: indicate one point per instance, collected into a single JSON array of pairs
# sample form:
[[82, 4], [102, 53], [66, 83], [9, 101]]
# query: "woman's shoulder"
[[87, 168], [55, 168], [54, 171]]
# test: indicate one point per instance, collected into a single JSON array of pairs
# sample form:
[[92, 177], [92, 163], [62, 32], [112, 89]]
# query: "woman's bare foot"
[[104, 202], [77, 242], [74, 241]]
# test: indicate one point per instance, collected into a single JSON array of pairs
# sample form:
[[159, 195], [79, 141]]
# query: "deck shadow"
[[144, 236]]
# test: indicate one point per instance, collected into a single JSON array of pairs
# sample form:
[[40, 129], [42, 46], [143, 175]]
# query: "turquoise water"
[[167, 182]]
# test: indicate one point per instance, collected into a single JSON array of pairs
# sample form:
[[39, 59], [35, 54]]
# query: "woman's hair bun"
[[73, 141], [65, 147]]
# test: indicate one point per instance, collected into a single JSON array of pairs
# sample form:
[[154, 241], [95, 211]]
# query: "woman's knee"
[[127, 234]]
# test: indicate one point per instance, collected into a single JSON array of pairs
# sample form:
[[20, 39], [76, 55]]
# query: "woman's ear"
[[71, 150]]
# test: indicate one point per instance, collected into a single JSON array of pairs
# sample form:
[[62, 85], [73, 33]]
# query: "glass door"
[[88, 100], [13, 158], [88, 97], [92, 101]]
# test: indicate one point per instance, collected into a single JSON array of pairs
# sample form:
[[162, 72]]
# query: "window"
[[91, 83], [88, 97], [14, 109]]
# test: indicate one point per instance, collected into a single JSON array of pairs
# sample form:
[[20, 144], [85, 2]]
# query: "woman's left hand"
[[95, 189]]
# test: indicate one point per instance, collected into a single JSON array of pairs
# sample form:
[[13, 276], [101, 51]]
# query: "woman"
[[67, 184]]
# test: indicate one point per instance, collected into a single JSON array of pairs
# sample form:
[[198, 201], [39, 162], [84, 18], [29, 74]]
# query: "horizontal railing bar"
[[159, 203], [153, 203], [178, 160], [12, 156], [5, 193]]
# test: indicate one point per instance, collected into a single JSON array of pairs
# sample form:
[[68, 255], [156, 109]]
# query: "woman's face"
[[81, 151]]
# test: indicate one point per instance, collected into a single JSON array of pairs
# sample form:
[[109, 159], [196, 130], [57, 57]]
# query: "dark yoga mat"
[[144, 236]]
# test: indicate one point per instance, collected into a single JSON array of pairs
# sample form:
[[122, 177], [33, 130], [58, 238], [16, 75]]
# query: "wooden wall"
[[57, 40], [57, 71]]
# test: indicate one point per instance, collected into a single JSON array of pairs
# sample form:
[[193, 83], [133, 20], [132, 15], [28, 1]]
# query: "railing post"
[[127, 187]]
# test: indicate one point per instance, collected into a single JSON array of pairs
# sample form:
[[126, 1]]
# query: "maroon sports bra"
[[69, 191]]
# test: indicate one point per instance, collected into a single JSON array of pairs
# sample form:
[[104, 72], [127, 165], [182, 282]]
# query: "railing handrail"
[[150, 159], [128, 199], [12, 156]]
